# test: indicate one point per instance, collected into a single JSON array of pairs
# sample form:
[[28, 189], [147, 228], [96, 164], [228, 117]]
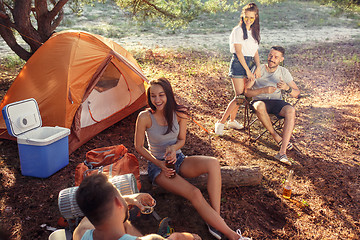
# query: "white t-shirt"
[[248, 46]]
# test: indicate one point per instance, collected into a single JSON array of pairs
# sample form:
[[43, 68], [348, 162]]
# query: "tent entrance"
[[110, 95]]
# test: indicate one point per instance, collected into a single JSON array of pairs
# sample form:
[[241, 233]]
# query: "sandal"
[[289, 147], [283, 158]]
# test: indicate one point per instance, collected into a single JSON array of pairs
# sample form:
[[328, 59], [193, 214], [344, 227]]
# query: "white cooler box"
[[42, 150]]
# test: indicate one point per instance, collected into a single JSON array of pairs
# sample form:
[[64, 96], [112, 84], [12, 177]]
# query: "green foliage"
[[170, 14], [350, 8], [115, 18], [77, 6], [351, 60], [201, 15], [67, 22], [345, 4], [305, 14], [12, 61]]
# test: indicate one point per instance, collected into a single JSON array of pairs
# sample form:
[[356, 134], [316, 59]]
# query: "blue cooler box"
[[42, 150]]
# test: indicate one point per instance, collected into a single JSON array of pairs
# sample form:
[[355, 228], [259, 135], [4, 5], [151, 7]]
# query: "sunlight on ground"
[[7, 174]]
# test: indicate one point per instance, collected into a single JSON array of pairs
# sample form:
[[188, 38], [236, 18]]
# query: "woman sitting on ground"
[[164, 127]]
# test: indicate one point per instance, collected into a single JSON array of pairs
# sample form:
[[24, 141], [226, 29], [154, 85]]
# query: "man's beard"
[[273, 66]]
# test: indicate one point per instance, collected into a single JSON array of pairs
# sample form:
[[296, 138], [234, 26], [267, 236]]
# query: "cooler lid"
[[22, 116]]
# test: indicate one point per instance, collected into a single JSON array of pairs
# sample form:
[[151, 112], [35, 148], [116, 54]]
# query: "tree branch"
[[41, 9], [159, 9], [57, 21], [23, 25], [8, 6], [58, 8], [6, 20], [9, 38], [136, 4]]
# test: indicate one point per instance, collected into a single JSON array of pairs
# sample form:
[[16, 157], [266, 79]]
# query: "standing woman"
[[244, 43], [164, 127]]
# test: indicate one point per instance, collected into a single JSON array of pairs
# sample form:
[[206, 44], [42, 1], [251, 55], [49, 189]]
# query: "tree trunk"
[[231, 177], [19, 17], [10, 40]]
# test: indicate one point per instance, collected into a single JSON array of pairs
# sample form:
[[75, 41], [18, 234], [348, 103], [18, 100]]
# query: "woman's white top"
[[248, 46]]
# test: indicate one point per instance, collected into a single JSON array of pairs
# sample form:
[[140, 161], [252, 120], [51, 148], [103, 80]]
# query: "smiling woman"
[[164, 127], [244, 43]]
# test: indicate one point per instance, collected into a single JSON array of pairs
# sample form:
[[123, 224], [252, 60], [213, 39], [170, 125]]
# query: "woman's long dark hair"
[[255, 27], [171, 105]]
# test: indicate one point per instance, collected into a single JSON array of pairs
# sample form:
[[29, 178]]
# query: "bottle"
[[172, 166], [287, 185]]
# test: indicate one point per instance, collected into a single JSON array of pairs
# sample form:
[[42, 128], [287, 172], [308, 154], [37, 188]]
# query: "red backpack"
[[112, 161]]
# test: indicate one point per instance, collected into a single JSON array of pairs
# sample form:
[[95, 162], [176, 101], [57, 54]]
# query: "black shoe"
[[214, 232]]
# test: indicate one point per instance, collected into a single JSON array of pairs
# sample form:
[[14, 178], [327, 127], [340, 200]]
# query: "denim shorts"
[[272, 106], [154, 171], [236, 70]]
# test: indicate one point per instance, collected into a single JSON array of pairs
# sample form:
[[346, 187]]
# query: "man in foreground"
[[267, 99], [106, 212]]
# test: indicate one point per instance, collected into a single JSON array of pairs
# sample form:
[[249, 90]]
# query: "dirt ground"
[[326, 195]]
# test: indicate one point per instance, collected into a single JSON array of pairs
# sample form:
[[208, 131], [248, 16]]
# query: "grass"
[[108, 20], [94, 17], [351, 60], [278, 15], [322, 58], [12, 62], [192, 64], [312, 15]]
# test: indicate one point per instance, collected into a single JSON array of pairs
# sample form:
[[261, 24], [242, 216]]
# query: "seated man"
[[106, 212], [267, 99]]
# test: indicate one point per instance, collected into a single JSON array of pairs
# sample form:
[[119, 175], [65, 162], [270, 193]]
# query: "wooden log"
[[231, 177]]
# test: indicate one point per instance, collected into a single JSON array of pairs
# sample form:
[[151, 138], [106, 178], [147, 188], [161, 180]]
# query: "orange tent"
[[80, 81]]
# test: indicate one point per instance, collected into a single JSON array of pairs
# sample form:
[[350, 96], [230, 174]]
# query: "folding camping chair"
[[250, 117]]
